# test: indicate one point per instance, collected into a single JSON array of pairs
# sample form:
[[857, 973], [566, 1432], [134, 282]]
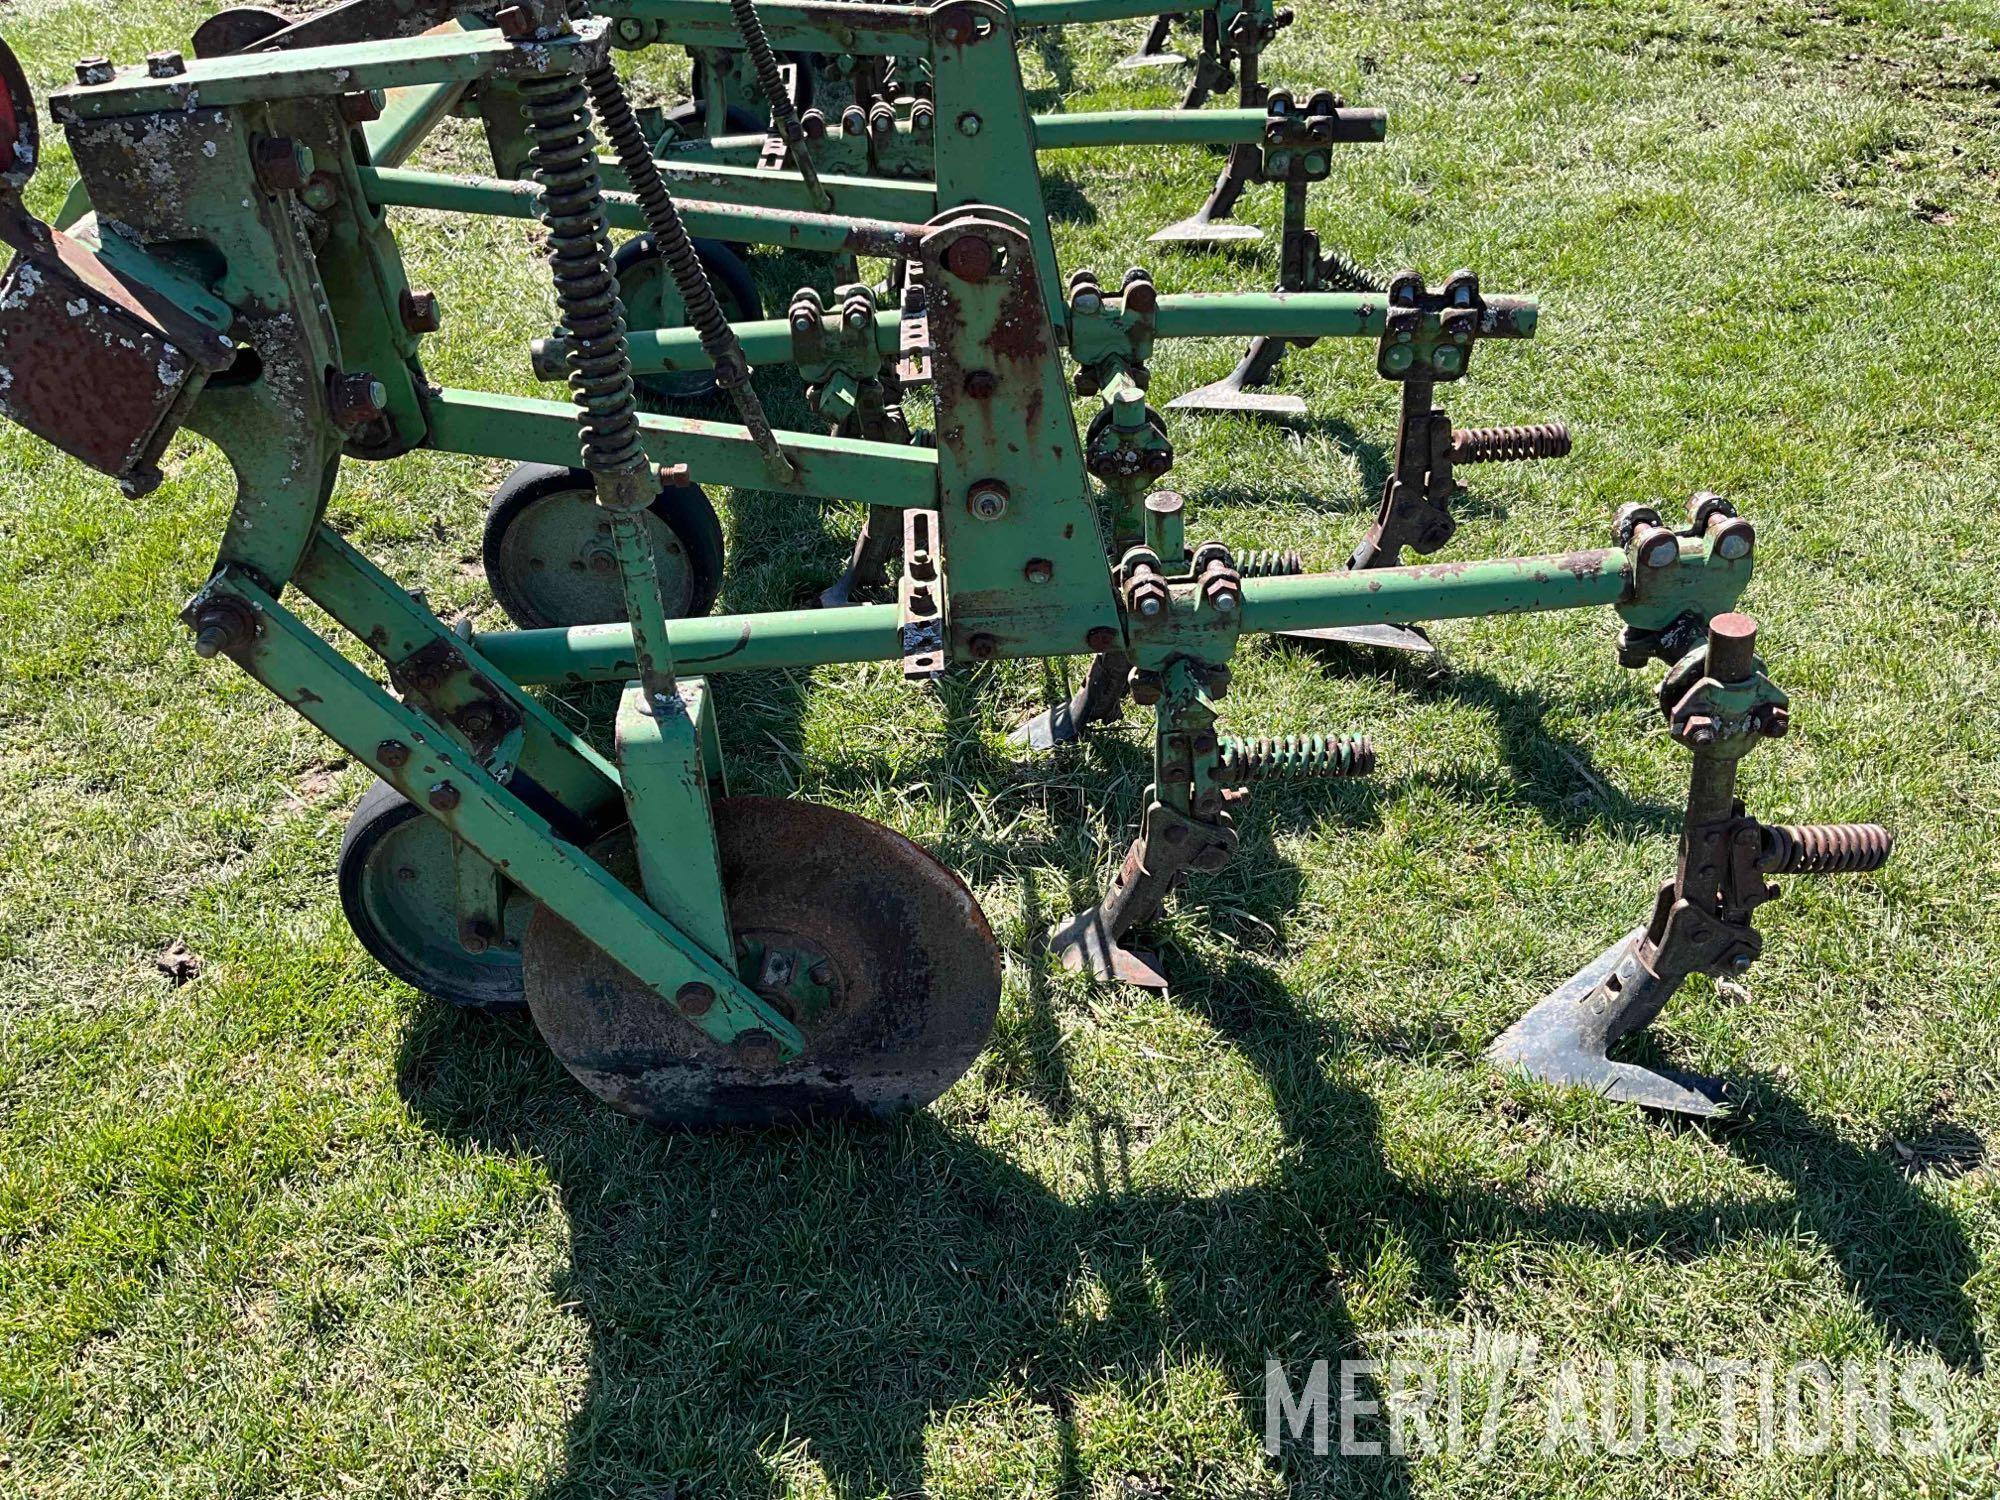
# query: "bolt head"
[[165, 64], [393, 753], [1101, 638], [969, 124], [970, 258], [1039, 570], [694, 999], [981, 384], [756, 1049], [444, 796], [984, 646], [1661, 549]]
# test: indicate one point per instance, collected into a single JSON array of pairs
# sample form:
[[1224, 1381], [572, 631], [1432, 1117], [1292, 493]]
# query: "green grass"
[[290, 1229]]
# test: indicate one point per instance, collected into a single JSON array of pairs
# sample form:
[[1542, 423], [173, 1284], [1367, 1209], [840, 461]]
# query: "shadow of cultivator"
[[227, 266]]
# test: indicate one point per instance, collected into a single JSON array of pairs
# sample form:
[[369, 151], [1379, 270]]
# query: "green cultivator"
[[692, 957]]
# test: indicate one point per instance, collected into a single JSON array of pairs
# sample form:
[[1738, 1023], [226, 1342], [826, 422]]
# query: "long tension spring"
[[1825, 848], [1248, 760], [600, 366], [663, 219], [1507, 445], [783, 112]]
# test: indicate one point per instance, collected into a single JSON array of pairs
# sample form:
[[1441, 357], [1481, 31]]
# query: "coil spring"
[[572, 210], [1330, 755], [663, 216], [1825, 848], [1339, 274], [1506, 445], [1270, 564], [757, 43]]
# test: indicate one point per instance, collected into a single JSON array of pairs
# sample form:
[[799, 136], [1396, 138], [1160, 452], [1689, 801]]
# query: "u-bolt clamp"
[[1719, 704]]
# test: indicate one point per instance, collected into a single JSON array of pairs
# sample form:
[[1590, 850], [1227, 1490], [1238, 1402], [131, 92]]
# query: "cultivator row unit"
[[227, 265]]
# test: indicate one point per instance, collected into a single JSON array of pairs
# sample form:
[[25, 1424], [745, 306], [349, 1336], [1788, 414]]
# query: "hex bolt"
[[219, 627], [1038, 570], [981, 384], [694, 999], [357, 398], [363, 108], [95, 70], [420, 310], [393, 753], [777, 968], [969, 124], [970, 258], [1101, 638], [320, 193], [444, 796], [282, 164], [988, 500], [165, 64], [983, 646], [821, 973], [517, 23]]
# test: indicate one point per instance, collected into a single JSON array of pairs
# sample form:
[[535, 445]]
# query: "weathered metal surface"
[[911, 994]]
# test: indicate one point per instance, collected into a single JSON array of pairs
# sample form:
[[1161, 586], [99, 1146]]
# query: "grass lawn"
[[290, 1229]]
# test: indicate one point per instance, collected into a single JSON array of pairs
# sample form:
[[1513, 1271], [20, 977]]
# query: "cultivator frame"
[[238, 243]]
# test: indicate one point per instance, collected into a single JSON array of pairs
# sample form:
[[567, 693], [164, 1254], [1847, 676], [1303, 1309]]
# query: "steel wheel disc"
[[909, 990]]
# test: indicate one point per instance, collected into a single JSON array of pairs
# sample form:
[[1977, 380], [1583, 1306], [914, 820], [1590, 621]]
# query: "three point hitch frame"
[[696, 958]]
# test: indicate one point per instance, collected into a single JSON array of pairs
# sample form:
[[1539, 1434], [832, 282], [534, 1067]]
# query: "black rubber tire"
[[637, 261], [683, 509], [485, 982]]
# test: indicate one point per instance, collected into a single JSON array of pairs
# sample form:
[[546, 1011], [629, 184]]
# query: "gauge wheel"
[[550, 561]]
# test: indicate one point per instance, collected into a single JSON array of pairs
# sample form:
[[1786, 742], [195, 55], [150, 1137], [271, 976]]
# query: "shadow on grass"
[[757, 1299]]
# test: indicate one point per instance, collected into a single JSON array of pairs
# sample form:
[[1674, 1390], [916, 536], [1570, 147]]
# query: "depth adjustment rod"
[[1719, 705]]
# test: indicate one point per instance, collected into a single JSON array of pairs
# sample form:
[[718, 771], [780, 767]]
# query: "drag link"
[[663, 220], [783, 112], [1267, 757], [1825, 848], [1508, 445]]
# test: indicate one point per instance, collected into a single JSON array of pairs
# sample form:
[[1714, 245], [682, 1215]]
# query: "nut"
[[756, 1049], [694, 999], [165, 64], [357, 398], [420, 311], [988, 500], [95, 70], [1038, 570], [363, 108], [969, 124], [282, 164]]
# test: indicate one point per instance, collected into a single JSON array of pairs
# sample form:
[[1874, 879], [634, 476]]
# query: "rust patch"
[[1582, 565]]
